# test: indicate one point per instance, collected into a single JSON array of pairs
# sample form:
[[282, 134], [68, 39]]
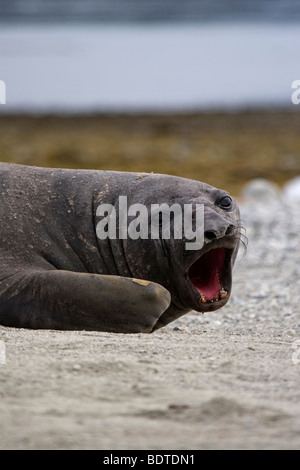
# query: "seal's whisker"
[[241, 235]]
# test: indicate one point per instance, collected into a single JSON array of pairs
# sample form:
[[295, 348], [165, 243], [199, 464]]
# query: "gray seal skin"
[[56, 273]]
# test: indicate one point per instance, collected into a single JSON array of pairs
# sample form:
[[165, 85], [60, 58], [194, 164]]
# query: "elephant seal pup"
[[57, 273]]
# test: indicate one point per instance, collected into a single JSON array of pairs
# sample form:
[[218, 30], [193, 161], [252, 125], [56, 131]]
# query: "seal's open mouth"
[[210, 275]]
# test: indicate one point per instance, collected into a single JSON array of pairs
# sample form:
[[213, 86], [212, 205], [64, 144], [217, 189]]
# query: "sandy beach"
[[223, 380]]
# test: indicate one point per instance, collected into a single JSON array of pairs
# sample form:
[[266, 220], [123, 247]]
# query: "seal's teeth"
[[223, 293]]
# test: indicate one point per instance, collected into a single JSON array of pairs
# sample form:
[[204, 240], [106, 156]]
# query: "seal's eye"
[[225, 203]]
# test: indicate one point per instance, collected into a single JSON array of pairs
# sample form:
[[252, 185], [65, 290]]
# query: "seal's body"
[[56, 273]]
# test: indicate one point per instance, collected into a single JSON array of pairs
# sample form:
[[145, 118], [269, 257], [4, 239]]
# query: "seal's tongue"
[[205, 274]]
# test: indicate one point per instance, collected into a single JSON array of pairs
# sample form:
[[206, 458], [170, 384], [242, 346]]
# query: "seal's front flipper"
[[73, 301]]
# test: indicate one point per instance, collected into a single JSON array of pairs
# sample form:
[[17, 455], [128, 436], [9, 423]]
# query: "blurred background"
[[200, 88]]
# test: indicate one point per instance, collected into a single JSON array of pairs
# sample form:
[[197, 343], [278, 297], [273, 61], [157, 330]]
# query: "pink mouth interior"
[[205, 273]]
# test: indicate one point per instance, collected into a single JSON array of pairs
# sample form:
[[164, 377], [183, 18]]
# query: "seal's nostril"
[[223, 232], [230, 230], [210, 235]]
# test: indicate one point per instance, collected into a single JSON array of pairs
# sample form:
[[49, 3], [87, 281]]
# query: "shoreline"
[[224, 149]]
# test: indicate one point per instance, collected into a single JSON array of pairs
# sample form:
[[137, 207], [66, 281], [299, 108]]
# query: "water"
[[128, 55]]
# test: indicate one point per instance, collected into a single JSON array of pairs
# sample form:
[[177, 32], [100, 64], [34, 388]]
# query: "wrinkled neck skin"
[[191, 276]]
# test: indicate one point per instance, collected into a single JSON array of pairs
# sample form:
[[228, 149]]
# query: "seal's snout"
[[216, 233], [219, 224]]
